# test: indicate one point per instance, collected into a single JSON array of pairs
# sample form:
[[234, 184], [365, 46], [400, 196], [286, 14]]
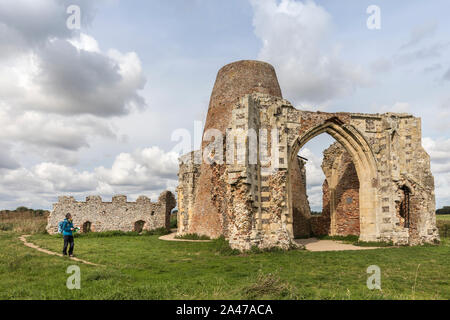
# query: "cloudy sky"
[[98, 110]]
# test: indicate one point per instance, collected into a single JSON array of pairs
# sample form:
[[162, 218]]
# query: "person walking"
[[68, 229]]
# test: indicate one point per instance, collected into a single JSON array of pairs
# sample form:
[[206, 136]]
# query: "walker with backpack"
[[61, 228]]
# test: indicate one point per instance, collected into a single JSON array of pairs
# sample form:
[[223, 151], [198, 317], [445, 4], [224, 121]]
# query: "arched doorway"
[[403, 207], [139, 226], [87, 227], [362, 157]]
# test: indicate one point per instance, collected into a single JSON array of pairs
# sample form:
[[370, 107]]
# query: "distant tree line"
[[444, 210]]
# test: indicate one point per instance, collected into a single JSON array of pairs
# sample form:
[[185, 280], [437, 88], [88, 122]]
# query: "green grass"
[[23, 220], [173, 221], [443, 224], [443, 217], [108, 234], [144, 267], [354, 239], [193, 236], [345, 239]]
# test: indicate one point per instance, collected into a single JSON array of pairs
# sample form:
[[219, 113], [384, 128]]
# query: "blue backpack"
[[60, 227]]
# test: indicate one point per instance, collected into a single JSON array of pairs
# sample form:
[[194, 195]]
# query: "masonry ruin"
[[94, 215], [378, 184]]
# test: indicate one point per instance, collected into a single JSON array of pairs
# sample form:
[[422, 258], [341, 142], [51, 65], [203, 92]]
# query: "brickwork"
[[233, 81], [301, 213], [341, 201]]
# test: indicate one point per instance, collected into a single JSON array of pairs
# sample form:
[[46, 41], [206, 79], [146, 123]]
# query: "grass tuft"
[[193, 236], [347, 239], [373, 244], [269, 285], [222, 247]]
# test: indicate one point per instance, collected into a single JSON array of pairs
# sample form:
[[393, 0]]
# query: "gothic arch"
[[362, 156]]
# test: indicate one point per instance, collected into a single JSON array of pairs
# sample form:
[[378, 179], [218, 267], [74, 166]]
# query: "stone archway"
[[363, 159], [139, 226], [87, 227]]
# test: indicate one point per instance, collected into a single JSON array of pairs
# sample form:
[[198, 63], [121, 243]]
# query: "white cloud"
[[35, 128], [294, 35], [421, 32], [146, 171], [446, 76], [439, 151], [398, 107], [432, 51], [65, 79], [6, 160], [85, 42], [381, 65], [314, 178], [150, 168], [57, 87]]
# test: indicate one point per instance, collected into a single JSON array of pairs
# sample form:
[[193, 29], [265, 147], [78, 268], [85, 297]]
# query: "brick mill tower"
[[233, 82]]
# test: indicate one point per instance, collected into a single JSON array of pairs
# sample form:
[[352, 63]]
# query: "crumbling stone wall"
[[301, 212], [256, 204], [340, 214], [188, 181], [115, 215]]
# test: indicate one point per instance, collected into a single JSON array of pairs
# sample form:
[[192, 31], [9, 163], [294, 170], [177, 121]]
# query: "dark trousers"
[[68, 240]]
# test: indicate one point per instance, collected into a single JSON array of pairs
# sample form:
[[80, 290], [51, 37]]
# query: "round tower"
[[233, 82]]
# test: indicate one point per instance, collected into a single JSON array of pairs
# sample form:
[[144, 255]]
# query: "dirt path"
[[33, 246], [171, 237], [313, 244]]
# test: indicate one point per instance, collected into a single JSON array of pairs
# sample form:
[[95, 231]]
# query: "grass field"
[[443, 223], [144, 267], [23, 220]]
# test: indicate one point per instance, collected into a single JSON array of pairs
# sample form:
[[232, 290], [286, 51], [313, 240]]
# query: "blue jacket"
[[67, 226]]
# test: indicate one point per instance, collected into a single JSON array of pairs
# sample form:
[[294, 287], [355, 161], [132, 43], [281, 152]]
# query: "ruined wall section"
[[346, 218], [301, 211], [189, 171], [395, 145], [234, 81], [244, 185], [255, 204], [411, 170], [115, 215], [257, 209], [320, 224], [276, 210], [340, 214], [396, 141]]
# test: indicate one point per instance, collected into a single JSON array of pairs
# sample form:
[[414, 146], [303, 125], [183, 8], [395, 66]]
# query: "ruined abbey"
[[118, 215], [248, 183], [378, 184]]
